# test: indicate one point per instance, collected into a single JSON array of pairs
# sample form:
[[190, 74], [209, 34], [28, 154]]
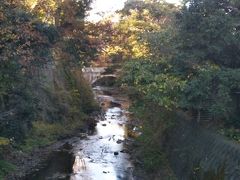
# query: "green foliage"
[[31, 46], [22, 49], [82, 98], [58, 12], [16, 103], [208, 31], [9, 74], [193, 58], [47, 30], [127, 36], [198, 173], [155, 121], [43, 133], [154, 80], [231, 133], [156, 9], [153, 157], [162, 43], [5, 168], [211, 89], [150, 151]]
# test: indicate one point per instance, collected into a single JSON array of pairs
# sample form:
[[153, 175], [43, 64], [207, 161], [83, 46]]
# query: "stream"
[[102, 154]]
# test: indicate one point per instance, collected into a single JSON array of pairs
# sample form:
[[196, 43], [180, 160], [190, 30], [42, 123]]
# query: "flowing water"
[[102, 154]]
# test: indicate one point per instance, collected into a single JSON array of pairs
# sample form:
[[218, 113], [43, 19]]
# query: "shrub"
[[5, 168]]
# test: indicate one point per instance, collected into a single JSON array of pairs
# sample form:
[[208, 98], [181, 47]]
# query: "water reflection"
[[79, 163], [101, 156]]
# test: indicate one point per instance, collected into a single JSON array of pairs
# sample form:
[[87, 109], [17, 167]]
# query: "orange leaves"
[[19, 39]]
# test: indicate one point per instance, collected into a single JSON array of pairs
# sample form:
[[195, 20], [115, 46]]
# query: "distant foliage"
[[126, 39]]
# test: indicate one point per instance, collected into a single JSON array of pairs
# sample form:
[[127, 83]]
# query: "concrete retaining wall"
[[197, 153]]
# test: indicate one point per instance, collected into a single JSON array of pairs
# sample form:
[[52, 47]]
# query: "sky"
[[108, 7]]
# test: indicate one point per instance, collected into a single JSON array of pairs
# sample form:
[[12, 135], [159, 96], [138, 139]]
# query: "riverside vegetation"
[[173, 58], [43, 95], [178, 58]]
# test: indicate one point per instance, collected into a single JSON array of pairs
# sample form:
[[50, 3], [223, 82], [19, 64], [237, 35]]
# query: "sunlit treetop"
[[105, 8]]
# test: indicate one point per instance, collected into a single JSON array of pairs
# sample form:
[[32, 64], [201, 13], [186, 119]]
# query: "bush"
[[155, 81], [155, 122], [231, 133], [150, 150], [211, 90], [5, 168]]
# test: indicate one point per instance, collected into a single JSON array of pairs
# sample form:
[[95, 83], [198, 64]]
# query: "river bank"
[[104, 149], [30, 162], [97, 150]]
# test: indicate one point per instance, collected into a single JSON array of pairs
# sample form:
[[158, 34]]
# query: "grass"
[[5, 168], [155, 122], [43, 133], [150, 150], [151, 156], [78, 101], [231, 133]]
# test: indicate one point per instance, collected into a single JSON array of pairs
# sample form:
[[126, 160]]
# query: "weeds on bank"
[[43, 133], [155, 122], [231, 133], [5, 168]]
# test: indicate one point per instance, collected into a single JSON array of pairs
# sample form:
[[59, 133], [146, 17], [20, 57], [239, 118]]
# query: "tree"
[[193, 58], [30, 43], [208, 32], [23, 47]]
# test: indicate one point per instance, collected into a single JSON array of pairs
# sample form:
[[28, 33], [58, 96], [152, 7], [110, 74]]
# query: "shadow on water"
[[57, 167]]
